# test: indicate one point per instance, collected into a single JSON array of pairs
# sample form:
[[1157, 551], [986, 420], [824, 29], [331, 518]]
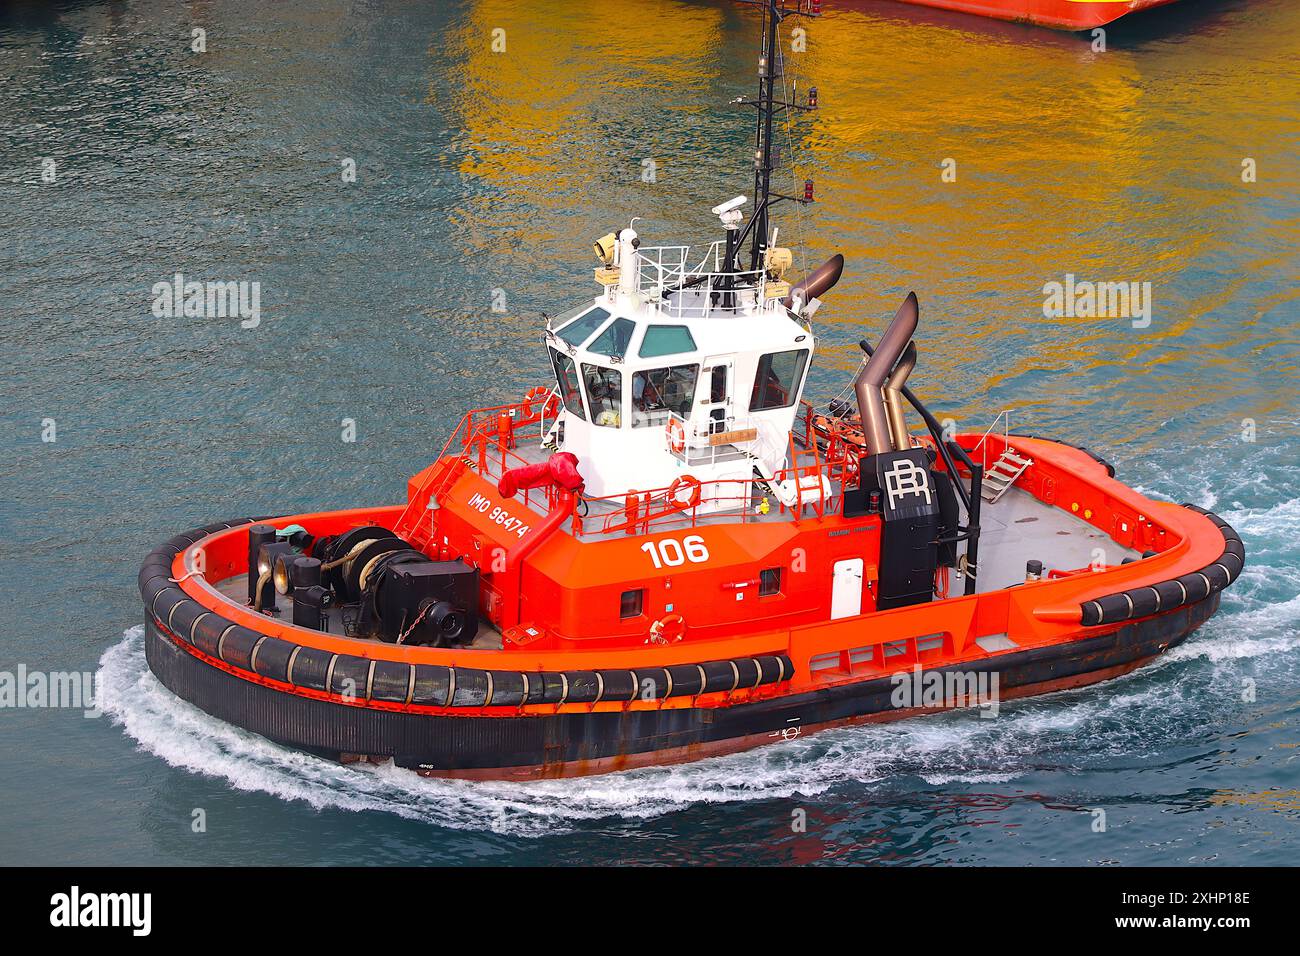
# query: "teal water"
[[481, 171]]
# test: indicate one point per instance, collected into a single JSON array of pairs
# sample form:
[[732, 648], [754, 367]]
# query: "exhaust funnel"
[[869, 382]]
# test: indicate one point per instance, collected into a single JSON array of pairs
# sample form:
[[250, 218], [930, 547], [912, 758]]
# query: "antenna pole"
[[766, 105]]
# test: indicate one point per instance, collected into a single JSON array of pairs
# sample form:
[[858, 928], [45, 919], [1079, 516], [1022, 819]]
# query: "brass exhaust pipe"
[[868, 382], [893, 392], [822, 279]]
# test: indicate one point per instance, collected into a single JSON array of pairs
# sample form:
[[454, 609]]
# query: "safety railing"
[[685, 291], [721, 439], [488, 440], [690, 503], [1004, 416]]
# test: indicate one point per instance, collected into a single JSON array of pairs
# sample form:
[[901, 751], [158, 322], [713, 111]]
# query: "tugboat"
[[667, 553]]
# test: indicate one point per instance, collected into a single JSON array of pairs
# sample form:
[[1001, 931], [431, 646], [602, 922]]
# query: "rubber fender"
[[236, 647], [1145, 601], [1116, 607], [207, 631], [776, 668], [619, 685], [719, 676], [507, 689], [554, 687], [351, 677], [311, 666], [471, 688], [271, 658], [432, 685], [535, 688], [652, 683], [391, 681], [584, 687], [183, 616], [1218, 575], [153, 587], [748, 670], [165, 600], [1198, 587], [1171, 595], [688, 680]]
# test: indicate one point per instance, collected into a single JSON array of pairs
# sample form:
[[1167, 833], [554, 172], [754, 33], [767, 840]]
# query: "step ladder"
[[1002, 474]]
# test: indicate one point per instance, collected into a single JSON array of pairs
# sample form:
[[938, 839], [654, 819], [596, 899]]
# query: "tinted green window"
[[666, 340], [615, 339], [581, 328], [566, 374], [777, 383]]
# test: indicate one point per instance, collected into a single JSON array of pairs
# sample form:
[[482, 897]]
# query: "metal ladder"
[[1003, 474]]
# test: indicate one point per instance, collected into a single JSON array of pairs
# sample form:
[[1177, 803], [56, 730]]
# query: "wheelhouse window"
[[614, 340], [583, 327], [660, 392], [666, 340], [604, 394], [777, 383], [566, 374]]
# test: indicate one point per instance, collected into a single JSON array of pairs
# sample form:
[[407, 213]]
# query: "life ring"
[[669, 629], [676, 436], [535, 394], [691, 500]]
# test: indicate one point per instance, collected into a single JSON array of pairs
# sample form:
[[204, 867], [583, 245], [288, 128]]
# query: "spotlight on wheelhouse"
[[604, 247]]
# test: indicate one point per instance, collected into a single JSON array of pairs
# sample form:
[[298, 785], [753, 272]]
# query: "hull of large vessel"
[[1057, 14]]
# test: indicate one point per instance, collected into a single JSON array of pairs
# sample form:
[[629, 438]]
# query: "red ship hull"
[[1057, 14]]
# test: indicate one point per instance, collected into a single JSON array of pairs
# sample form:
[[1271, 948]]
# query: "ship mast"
[[768, 106]]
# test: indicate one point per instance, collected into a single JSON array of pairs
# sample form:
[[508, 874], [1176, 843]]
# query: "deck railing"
[[488, 439], [681, 290]]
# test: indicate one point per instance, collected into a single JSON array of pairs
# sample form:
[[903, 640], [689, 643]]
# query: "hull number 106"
[[669, 553]]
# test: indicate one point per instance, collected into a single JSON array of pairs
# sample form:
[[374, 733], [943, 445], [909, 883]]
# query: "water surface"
[[482, 174]]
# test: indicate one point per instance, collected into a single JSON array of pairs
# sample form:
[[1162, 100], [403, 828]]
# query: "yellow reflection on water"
[[1117, 166]]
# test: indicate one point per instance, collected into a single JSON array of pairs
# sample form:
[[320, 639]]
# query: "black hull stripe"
[[447, 743]]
